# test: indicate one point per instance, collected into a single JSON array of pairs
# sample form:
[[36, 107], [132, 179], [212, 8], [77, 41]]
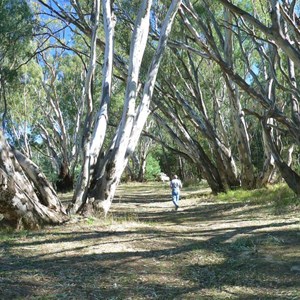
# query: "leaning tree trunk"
[[105, 181], [248, 179], [288, 174], [94, 142], [20, 204], [194, 151], [269, 167], [268, 172]]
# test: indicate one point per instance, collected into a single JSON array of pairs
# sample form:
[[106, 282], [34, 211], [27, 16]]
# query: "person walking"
[[175, 185]]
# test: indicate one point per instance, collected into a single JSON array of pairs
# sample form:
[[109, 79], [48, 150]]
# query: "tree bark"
[[20, 205], [82, 186], [290, 176], [65, 181], [269, 167], [133, 120]]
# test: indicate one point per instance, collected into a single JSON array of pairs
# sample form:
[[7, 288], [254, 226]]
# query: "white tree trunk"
[[248, 180], [133, 120], [116, 157], [82, 186], [100, 127]]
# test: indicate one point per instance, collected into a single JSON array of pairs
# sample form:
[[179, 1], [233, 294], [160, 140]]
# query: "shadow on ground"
[[146, 250]]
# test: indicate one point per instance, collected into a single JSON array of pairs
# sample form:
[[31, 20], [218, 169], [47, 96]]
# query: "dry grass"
[[145, 250]]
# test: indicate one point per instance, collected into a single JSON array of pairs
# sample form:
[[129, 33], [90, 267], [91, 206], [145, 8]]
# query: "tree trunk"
[[111, 167], [210, 173], [65, 180], [20, 205], [143, 150], [248, 179], [269, 167], [82, 186], [142, 168], [291, 177], [101, 122], [193, 150]]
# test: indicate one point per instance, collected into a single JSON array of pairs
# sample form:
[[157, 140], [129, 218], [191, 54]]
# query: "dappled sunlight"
[[147, 250]]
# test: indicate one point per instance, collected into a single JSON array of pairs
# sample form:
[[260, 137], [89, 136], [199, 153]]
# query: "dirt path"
[[146, 250]]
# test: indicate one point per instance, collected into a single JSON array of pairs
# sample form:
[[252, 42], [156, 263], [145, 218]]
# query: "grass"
[[279, 196], [231, 246], [124, 218], [10, 235]]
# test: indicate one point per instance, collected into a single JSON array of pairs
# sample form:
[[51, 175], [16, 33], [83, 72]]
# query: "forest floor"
[[208, 249]]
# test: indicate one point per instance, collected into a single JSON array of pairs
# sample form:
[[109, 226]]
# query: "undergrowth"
[[280, 196], [215, 247], [10, 234]]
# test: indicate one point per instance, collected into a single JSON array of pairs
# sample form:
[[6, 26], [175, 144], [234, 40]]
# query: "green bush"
[[152, 168]]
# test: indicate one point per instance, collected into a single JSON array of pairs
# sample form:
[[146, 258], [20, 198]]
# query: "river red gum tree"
[[102, 169], [27, 200]]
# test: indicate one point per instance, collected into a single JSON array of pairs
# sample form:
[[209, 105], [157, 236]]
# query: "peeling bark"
[[20, 204]]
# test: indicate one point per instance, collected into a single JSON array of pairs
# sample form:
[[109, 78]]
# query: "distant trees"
[[15, 35], [255, 82]]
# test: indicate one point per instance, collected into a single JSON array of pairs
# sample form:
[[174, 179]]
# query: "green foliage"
[[152, 168], [90, 221], [45, 165], [22, 95], [279, 195], [7, 235], [16, 25]]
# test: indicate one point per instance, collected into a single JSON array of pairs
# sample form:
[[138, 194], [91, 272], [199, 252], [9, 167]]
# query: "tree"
[[27, 200], [20, 204], [111, 165], [284, 33], [137, 165], [282, 18], [62, 86], [15, 35]]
